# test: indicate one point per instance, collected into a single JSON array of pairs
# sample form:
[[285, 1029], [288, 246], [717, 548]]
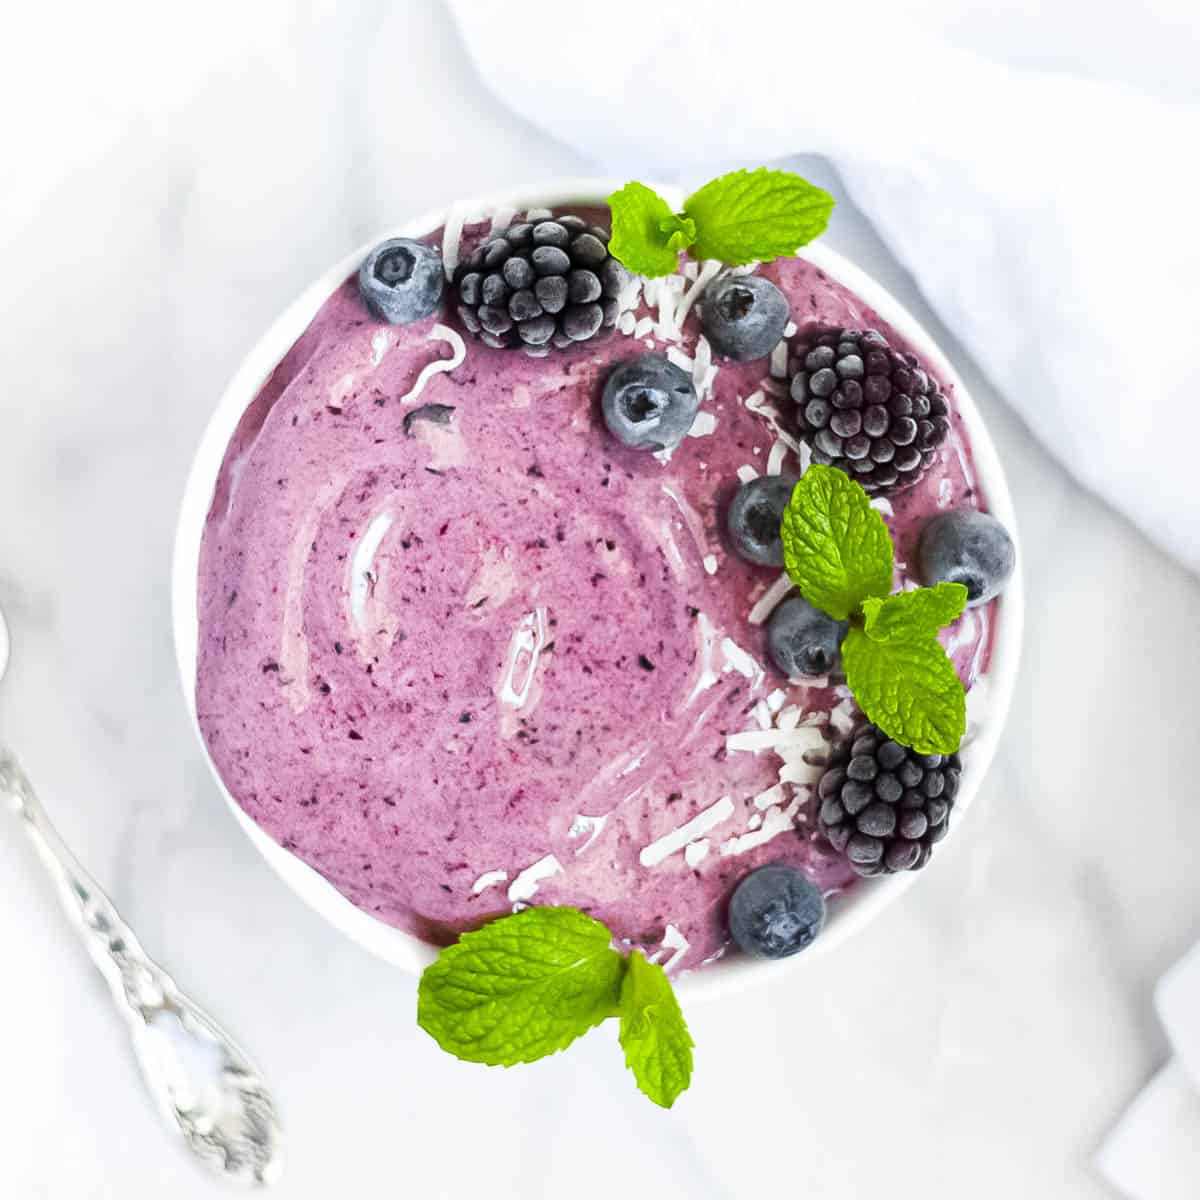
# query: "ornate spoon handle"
[[199, 1077]]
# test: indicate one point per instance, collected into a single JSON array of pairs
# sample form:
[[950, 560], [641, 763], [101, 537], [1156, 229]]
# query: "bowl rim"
[[726, 976]]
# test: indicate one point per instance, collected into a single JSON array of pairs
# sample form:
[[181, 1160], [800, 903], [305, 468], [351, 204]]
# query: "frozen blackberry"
[[868, 409], [540, 284], [883, 805]]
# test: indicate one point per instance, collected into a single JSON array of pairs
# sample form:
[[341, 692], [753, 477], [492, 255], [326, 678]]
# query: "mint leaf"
[[923, 611], [654, 1035], [680, 231], [646, 235], [521, 987], [908, 686], [836, 547], [755, 216]]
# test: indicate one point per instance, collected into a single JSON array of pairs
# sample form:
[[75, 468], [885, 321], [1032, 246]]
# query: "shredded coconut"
[[486, 880], [772, 796], [798, 740], [789, 718], [525, 886], [701, 823], [502, 218], [452, 239], [682, 360], [701, 366], [706, 275], [770, 600], [458, 355]]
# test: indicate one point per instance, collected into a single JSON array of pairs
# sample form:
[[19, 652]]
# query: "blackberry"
[[868, 409], [883, 805], [540, 284]]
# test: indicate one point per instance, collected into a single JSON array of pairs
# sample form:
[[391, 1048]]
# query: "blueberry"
[[649, 403], [754, 517], [775, 911], [744, 316], [967, 547], [401, 280], [802, 640]]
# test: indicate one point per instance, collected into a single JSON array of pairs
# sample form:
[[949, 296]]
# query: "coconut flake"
[[452, 239], [683, 361], [663, 847], [643, 327], [770, 600], [842, 716], [488, 879], [775, 458], [379, 346], [798, 771], [701, 365], [881, 504], [798, 740], [458, 355], [779, 360], [696, 852], [675, 941], [774, 822], [502, 218], [741, 661], [525, 886], [710, 563], [704, 424], [758, 404], [789, 718], [591, 826], [703, 278], [772, 796], [776, 700], [789, 330], [746, 473], [669, 289], [627, 323]]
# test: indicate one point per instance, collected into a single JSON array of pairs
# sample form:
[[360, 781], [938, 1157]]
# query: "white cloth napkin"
[[1154, 1151], [1051, 219]]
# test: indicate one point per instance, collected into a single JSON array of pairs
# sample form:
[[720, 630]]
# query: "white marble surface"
[[171, 181]]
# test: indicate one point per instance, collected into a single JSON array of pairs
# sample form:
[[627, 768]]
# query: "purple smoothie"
[[490, 656]]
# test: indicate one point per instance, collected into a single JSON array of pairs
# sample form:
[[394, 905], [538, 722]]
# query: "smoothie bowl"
[[461, 637]]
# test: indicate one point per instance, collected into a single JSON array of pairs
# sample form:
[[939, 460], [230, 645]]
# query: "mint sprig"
[[836, 543], [838, 552], [741, 217], [527, 985], [654, 1035]]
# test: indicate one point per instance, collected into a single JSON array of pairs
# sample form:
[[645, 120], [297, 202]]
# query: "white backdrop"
[[172, 176]]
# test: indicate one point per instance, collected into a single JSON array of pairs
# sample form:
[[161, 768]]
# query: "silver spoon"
[[198, 1076]]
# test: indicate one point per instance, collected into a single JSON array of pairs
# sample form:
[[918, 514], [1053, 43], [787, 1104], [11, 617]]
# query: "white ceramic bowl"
[[847, 914]]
